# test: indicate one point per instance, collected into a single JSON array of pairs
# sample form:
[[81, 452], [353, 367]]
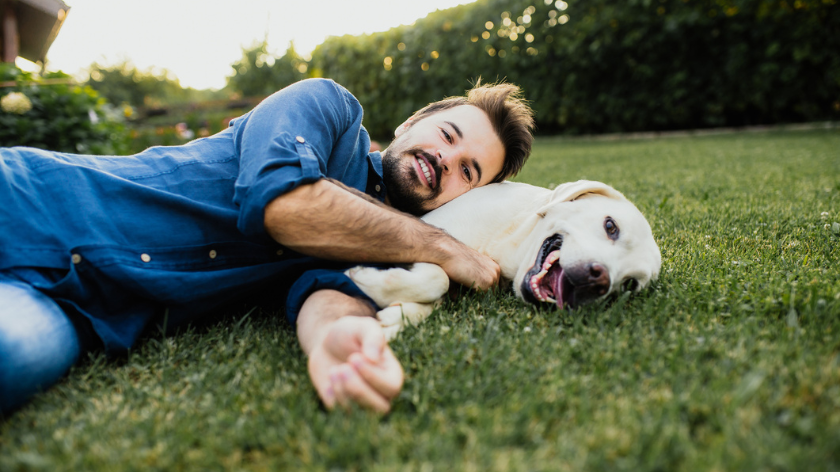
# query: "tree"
[[124, 83], [259, 73]]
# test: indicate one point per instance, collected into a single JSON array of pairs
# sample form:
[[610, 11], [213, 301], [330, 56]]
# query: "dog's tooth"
[[550, 260], [536, 289]]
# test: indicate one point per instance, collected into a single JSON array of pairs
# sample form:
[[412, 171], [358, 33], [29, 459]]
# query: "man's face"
[[439, 157]]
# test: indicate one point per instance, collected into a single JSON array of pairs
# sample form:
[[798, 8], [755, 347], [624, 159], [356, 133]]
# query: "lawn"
[[731, 361]]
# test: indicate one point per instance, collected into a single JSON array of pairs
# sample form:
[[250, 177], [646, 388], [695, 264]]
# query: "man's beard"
[[401, 180]]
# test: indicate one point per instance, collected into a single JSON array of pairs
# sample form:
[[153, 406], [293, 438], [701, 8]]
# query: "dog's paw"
[[391, 332], [395, 317], [391, 320], [421, 283]]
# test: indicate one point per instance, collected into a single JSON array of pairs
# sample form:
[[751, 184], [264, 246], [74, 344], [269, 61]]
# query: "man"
[[95, 249]]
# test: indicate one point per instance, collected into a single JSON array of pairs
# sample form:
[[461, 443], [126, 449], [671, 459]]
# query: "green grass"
[[731, 361]]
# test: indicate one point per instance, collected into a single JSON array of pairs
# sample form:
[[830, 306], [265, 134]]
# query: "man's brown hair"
[[508, 111]]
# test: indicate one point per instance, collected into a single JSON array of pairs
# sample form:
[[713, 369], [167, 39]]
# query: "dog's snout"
[[599, 277], [589, 281]]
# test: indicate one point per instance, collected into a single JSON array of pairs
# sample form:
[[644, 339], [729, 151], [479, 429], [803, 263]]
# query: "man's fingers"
[[386, 377], [493, 273], [373, 342], [472, 269], [328, 396], [351, 388]]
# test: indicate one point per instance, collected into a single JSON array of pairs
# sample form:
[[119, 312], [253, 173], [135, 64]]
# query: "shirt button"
[[300, 139], [378, 188], [213, 254], [76, 258], [279, 252], [145, 257]]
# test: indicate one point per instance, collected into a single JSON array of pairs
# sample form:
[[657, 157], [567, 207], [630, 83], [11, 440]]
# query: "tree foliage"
[[593, 66], [59, 116], [260, 73], [123, 83]]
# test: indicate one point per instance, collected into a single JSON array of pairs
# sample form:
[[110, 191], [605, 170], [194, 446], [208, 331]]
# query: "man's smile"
[[425, 170]]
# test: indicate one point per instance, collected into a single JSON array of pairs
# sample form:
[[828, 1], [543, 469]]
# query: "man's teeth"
[[425, 170], [535, 280]]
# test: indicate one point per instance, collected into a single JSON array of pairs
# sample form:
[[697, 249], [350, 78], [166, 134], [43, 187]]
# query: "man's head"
[[459, 143]]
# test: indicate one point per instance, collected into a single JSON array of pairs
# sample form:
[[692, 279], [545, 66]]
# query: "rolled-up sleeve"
[[320, 279], [287, 141]]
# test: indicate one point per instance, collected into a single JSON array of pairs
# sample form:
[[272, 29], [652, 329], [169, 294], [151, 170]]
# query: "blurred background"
[[115, 77]]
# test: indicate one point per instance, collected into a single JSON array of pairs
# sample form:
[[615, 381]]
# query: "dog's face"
[[589, 242]]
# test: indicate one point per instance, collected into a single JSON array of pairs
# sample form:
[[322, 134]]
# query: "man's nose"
[[445, 160]]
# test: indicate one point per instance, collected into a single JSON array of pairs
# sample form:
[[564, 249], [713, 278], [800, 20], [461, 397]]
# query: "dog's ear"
[[574, 190], [581, 189]]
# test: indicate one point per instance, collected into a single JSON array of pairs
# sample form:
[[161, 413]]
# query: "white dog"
[[575, 244]]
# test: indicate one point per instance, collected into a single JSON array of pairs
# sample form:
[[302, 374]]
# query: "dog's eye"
[[630, 285], [611, 228]]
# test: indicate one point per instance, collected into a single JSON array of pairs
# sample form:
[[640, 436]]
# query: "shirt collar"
[[376, 183]]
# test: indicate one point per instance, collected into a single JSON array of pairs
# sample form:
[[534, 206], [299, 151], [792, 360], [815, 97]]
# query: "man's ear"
[[403, 127]]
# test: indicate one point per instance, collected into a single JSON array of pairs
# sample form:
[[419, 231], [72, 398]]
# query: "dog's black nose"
[[589, 281], [599, 278]]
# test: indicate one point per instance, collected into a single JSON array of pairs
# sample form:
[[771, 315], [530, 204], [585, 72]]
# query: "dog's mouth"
[[546, 281]]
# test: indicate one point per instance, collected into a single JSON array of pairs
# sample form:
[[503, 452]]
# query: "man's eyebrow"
[[477, 169], [456, 128]]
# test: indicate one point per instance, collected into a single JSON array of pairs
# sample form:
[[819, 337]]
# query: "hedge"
[[52, 113], [592, 66]]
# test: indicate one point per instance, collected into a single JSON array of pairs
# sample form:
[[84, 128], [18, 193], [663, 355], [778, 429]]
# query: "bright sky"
[[198, 40]]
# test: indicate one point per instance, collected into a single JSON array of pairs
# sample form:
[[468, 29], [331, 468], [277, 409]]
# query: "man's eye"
[[447, 136]]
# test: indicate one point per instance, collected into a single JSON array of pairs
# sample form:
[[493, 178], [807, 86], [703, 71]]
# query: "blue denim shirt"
[[179, 230]]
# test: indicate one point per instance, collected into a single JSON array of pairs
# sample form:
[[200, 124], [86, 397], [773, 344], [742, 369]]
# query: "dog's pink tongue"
[[555, 280]]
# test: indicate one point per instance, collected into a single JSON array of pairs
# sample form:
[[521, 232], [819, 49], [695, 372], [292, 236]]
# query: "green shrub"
[[593, 66], [259, 73], [124, 84], [50, 113]]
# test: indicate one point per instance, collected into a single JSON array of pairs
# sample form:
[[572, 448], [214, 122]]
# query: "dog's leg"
[[394, 317], [421, 283]]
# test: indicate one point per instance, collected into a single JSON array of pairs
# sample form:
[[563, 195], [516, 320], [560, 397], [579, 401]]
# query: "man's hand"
[[468, 267], [353, 364], [349, 359]]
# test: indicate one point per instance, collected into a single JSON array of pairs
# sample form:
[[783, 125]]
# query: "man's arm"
[[324, 220]]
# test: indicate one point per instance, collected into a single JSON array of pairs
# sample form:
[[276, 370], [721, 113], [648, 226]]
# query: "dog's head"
[[589, 242]]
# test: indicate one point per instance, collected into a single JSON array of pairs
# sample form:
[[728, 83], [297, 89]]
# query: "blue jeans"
[[38, 342]]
